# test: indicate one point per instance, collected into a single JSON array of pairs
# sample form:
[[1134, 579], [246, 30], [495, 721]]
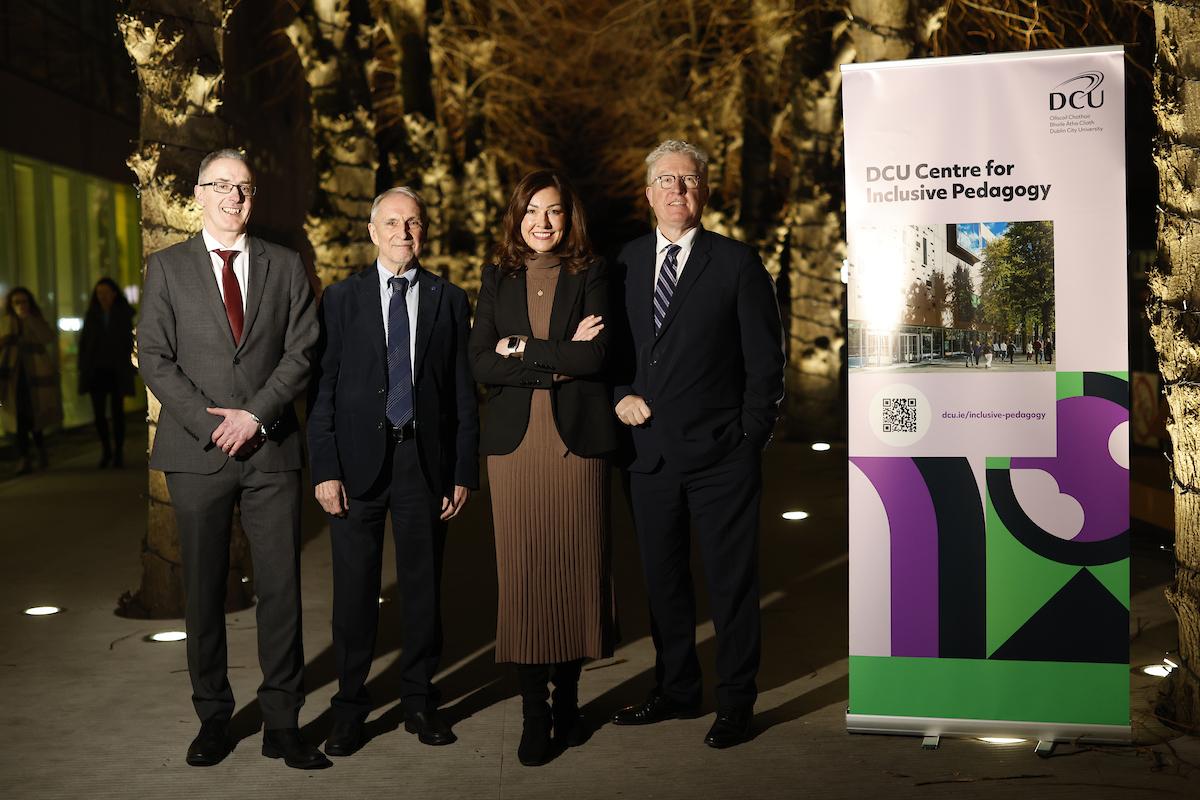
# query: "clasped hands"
[[333, 498], [237, 430]]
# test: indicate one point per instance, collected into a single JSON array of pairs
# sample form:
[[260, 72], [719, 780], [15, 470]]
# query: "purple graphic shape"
[[914, 554], [1084, 468]]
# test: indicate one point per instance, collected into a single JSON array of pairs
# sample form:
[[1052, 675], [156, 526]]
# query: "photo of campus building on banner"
[[932, 297]]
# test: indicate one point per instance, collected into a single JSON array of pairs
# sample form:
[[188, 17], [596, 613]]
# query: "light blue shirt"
[[411, 300]]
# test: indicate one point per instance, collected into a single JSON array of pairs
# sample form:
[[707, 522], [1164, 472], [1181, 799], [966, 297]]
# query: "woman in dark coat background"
[[539, 346], [30, 394], [105, 370]]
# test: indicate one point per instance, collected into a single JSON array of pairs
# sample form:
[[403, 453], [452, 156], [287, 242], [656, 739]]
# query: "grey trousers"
[[270, 509]]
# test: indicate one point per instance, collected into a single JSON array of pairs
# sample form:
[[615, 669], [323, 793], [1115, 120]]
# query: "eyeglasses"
[[668, 181], [225, 187]]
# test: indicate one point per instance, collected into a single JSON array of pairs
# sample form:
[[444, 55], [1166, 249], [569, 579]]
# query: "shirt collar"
[[210, 243], [684, 242], [409, 275]]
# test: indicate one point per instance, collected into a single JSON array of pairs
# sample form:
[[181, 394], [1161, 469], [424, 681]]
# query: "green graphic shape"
[[966, 688], [1115, 577], [1068, 384], [1019, 581]]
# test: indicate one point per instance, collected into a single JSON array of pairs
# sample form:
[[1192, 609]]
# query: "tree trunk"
[[176, 48], [327, 38], [1175, 300]]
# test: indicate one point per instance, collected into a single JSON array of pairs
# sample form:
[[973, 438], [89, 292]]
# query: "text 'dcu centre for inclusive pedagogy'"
[[988, 395]]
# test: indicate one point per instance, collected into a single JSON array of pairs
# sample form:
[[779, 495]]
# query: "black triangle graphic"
[[1081, 622]]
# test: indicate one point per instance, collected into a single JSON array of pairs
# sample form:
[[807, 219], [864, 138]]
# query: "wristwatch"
[[513, 343], [262, 429]]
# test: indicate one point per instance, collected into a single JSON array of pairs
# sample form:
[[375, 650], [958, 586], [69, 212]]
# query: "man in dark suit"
[[699, 388], [226, 338], [393, 427]]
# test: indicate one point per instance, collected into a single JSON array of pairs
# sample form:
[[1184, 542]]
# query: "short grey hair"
[[408, 192], [225, 152], [677, 146]]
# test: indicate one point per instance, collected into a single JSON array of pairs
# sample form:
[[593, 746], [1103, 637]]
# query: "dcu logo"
[[1082, 91]]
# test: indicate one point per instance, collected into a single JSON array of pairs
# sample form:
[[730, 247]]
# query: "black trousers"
[[722, 504], [270, 510], [112, 401], [357, 566]]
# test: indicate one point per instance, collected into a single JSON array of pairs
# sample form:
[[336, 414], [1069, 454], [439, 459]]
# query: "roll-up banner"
[[988, 395]]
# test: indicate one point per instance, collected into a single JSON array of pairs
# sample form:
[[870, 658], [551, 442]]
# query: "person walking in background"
[[30, 393], [394, 428], [1049, 349], [989, 353], [539, 345], [1012, 350], [1028, 350], [1037, 351], [105, 368], [699, 379]]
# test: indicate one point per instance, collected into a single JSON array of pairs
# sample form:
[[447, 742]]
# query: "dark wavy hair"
[[119, 301], [34, 308], [574, 250]]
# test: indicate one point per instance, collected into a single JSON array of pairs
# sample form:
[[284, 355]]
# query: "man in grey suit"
[[226, 338]]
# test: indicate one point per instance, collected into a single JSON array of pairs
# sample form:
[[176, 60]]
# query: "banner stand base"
[[1046, 734]]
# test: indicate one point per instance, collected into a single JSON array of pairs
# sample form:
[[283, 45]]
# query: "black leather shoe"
[[286, 743], [430, 728], [211, 745], [656, 709], [346, 738], [730, 728], [535, 747]]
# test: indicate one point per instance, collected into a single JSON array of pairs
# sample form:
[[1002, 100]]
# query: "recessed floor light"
[[795, 515], [1157, 670], [167, 636], [1000, 740], [42, 611], [820, 447]]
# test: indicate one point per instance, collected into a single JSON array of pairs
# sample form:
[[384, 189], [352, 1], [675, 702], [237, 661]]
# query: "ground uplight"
[[42, 611], [793, 515], [167, 636]]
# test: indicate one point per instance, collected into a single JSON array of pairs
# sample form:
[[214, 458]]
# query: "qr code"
[[899, 415]]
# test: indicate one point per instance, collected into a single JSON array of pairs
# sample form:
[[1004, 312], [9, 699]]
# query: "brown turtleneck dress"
[[551, 516]]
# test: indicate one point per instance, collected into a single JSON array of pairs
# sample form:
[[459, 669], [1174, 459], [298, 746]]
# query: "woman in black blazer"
[[539, 345]]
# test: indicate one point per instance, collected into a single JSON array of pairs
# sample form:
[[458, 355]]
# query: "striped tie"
[[399, 408], [666, 286]]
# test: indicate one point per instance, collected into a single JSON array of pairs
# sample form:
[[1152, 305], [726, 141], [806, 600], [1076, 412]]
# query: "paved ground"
[[90, 709]]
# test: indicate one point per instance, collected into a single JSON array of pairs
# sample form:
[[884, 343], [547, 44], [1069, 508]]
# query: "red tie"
[[233, 293]]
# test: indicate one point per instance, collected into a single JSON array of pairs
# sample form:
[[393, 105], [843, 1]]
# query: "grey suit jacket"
[[188, 358]]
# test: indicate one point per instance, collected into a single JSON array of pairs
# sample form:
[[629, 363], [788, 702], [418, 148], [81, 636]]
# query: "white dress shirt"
[[411, 299], [241, 264], [685, 243]]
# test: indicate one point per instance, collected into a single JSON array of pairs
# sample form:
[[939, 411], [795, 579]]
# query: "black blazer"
[[347, 425], [713, 374], [582, 407]]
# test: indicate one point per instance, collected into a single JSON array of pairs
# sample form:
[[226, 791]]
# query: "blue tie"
[[666, 285], [399, 407]]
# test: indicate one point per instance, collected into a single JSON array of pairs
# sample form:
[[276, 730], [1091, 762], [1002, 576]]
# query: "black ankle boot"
[[534, 749], [570, 729]]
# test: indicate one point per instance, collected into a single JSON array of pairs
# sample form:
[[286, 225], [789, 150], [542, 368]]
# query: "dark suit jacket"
[[582, 407], [713, 375], [107, 347], [347, 426], [188, 358]]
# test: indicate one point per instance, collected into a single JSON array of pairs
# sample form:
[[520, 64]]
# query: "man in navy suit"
[[699, 384], [394, 428]]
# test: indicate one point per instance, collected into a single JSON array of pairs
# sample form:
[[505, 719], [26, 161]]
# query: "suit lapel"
[[428, 306], [640, 289], [371, 311], [201, 261], [258, 264], [696, 262], [565, 293]]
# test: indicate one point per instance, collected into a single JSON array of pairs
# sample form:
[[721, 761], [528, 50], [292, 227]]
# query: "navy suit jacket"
[[347, 426], [713, 374]]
